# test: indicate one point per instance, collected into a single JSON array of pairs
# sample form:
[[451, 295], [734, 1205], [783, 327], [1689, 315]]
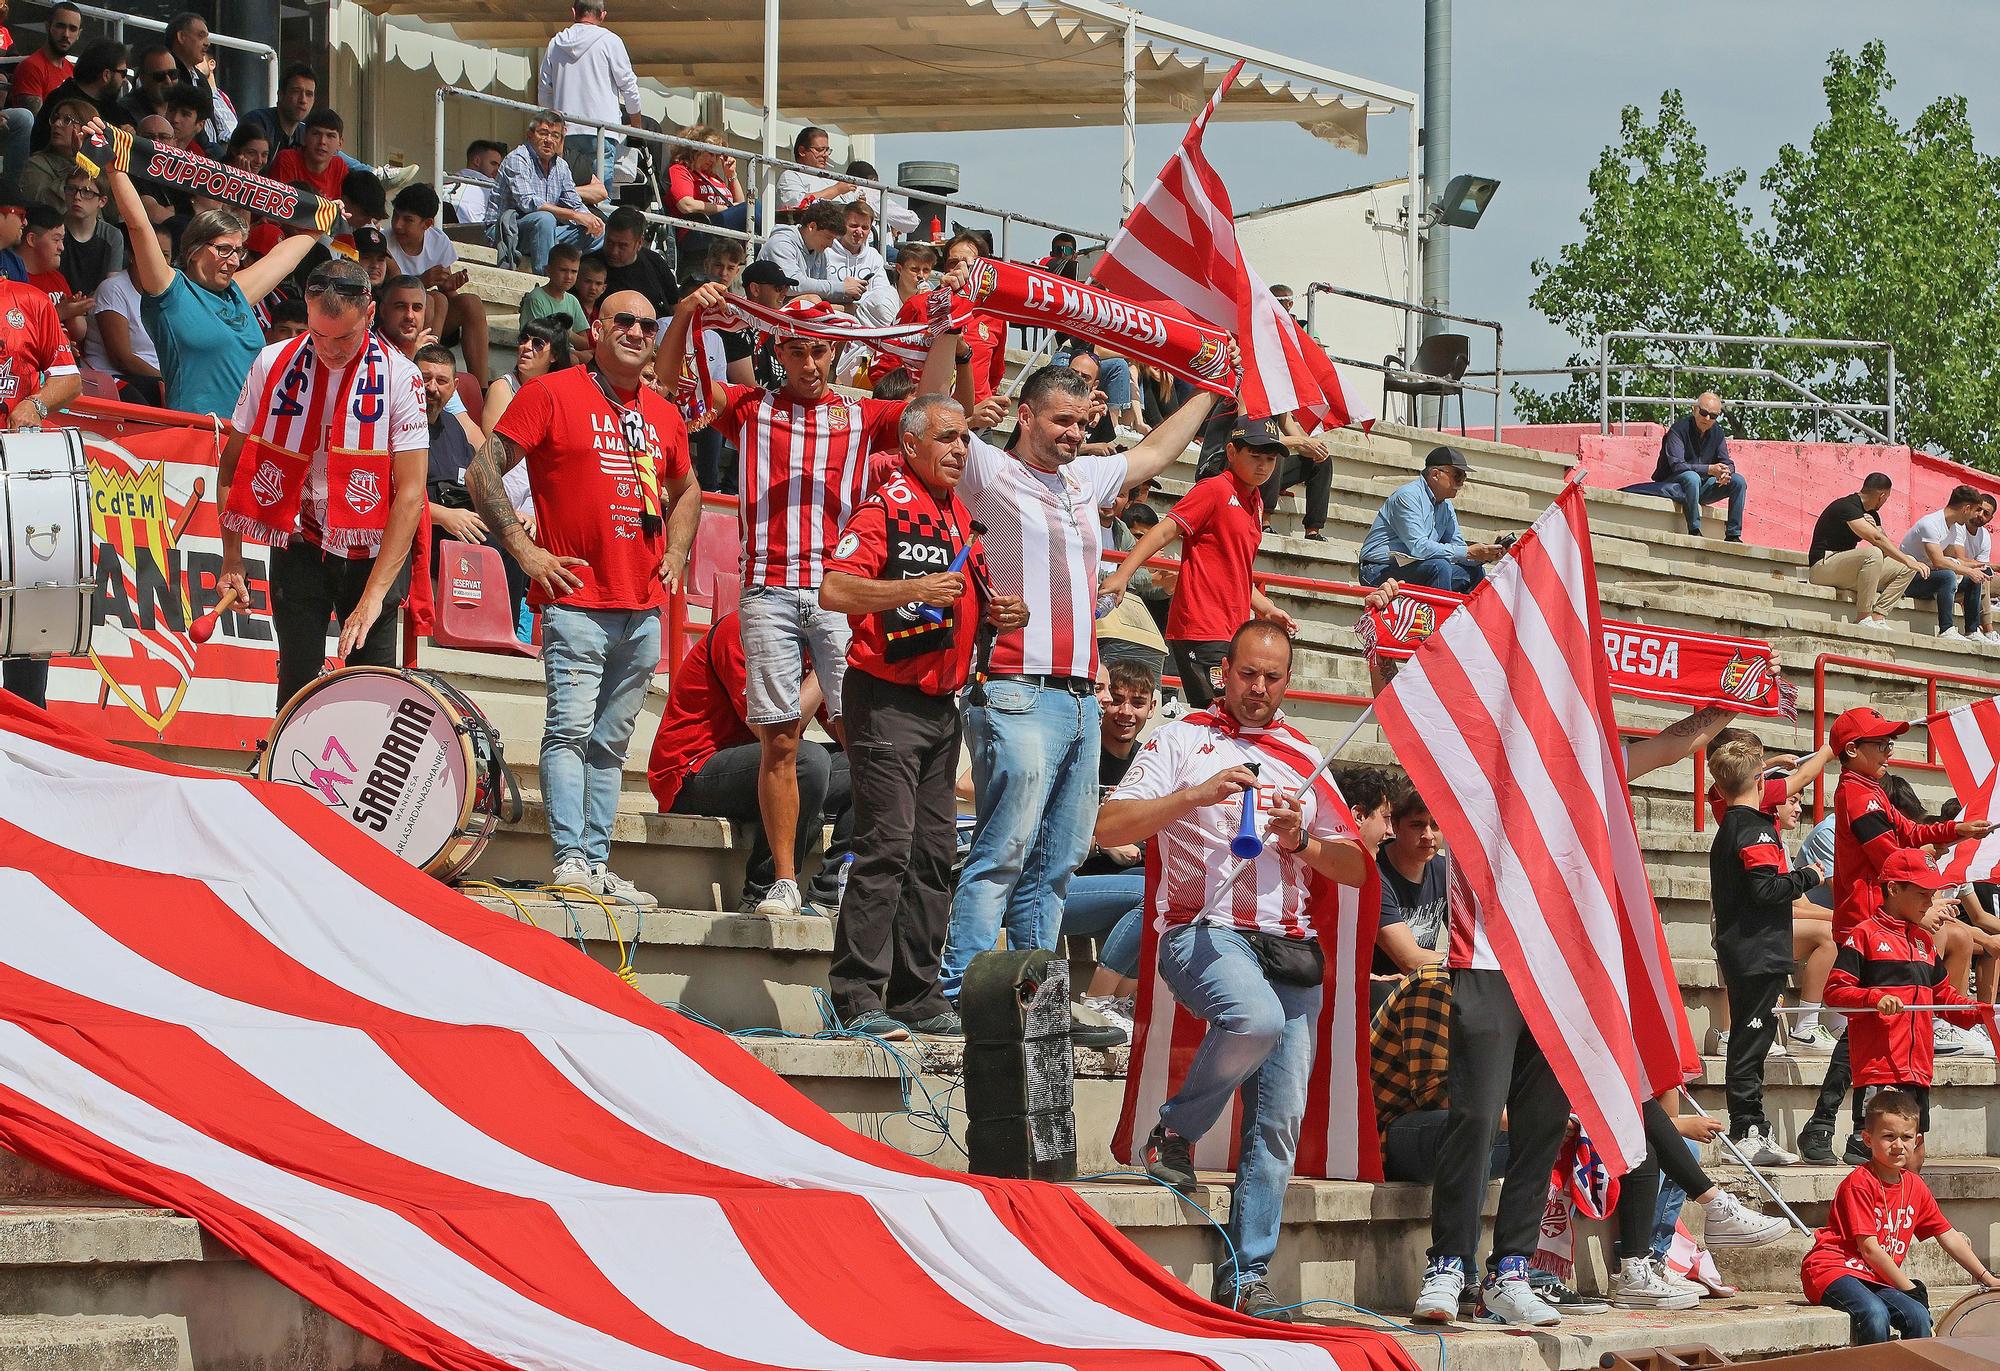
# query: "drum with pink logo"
[[402, 755]]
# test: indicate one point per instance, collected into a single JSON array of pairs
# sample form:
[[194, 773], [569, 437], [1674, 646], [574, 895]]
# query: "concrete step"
[[49, 1342]]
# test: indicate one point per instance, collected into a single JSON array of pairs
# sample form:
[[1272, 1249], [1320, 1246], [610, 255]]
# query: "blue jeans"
[[591, 154], [532, 235], [1940, 584], [598, 663], [1872, 1310], [20, 126], [1691, 490], [1667, 1212], [1106, 907], [1114, 378], [1034, 772], [1259, 1040], [1439, 573]]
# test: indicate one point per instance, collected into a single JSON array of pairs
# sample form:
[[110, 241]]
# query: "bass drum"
[[47, 551], [1975, 1316], [402, 755]]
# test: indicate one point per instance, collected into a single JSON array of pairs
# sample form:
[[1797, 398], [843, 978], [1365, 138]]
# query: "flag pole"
[[1744, 1161], [1234, 871]]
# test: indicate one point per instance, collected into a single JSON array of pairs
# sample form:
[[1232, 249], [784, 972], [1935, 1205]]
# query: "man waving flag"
[[1177, 252]]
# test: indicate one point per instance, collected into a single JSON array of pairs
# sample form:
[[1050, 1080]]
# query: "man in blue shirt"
[[1416, 539], [535, 203], [1695, 470]]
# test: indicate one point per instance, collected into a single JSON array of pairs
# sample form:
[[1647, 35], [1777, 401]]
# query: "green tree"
[[1885, 232], [1667, 247]]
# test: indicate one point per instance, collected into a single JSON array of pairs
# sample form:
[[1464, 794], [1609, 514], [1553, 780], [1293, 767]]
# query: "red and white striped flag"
[[1503, 720], [456, 1134], [1967, 739], [1177, 252]]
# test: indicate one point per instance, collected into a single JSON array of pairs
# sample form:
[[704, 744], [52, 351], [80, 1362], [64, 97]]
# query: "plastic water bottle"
[[1105, 604], [840, 888]]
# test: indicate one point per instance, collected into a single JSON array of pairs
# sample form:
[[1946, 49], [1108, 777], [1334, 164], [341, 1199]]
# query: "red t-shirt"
[[1221, 521], [52, 282], [586, 486], [901, 532], [704, 711], [985, 338], [33, 344], [36, 75], [290, 167], [1894, 1215]]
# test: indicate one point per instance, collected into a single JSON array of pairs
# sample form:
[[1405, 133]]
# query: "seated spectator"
[[705, 761], [724, 261], [153, 72], [314, 162], [535, 204], [629, 265], [41, 253], [194, 64], [189, 110], [371, 249], [1409, 1063], [249, 149], [1975, 598], [282, 125], [98, 77], [286, 318], [1939, 541], [705, 186], [1159, 394], [1849, 551], [555, 298], [586, 73], [593, 276], [801, 251], [472, 185], [451, 446], [915, 269], [544, 347], [46, 174], [1415, 537], [798, 189], [38, 74], [854, 254], [363, 202], [894, 208], [1116, 374], [92, 249], [399, 318], [765, 283], [421, 249], [1695, 468], [1412, 932], [1307, 462]]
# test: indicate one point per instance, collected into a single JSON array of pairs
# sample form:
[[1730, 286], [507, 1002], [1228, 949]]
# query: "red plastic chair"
[[475, 398], [715, 577], [473, 611], [100, 385]]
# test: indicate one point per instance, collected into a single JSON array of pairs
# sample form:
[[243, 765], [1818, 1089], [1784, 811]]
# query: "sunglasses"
[[535, 344], [645, 323], [159, 78], [346, 290], [1709, 413]]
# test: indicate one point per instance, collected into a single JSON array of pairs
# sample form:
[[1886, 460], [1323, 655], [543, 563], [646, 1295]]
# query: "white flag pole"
[[1234, 871]]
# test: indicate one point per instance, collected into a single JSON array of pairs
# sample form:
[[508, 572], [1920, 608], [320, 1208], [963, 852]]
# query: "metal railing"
[[765, 170], [1932, 677], [1410, 309], [118, 19], [1805, 401]]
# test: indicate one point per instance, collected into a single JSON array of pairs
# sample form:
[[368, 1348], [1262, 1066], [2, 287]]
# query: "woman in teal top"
[[200, 317]]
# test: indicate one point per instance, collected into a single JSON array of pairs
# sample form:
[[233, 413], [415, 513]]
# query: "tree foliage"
[[1876, 231]]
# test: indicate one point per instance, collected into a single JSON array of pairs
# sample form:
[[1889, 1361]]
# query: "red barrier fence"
[[1932, 677]]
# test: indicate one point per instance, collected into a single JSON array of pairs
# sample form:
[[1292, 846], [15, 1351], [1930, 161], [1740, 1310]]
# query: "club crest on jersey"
[[268, 485], [364, 492], [847, 546], [16, 319], [836, 418]]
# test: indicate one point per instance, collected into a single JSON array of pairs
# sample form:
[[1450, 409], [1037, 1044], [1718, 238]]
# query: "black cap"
[[767, 273], [369, 242], [1447, 457], [1257, 433]]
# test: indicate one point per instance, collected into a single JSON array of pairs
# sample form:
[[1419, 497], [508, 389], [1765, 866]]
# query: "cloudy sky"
[[1537, 89]]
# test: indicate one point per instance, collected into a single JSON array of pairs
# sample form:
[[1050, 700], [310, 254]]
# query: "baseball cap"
[[369, 242], [1862, 723], [1447, 457], [1257, 433], [767, 274], [1907, 864]]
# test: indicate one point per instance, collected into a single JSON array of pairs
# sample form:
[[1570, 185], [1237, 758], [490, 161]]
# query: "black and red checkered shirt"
[[900, 532]]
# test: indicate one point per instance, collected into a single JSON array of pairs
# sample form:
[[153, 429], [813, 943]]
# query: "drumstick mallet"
[[931, 614], [202, 629]]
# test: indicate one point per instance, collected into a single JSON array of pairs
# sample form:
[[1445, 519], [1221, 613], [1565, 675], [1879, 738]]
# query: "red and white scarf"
[[306, 407], [805, 317]]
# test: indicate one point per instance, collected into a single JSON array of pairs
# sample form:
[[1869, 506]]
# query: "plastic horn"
[[1246, 844], [931, 614], [202, 629]]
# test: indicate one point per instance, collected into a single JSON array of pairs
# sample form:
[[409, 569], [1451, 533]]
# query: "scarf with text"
[[1672, 664], [306, 406], [1579, 1184], [178, 169], [638, 449]]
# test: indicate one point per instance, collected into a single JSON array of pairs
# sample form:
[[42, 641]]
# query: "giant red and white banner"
[[454, 1133], [1503, 720], [1967, 740]]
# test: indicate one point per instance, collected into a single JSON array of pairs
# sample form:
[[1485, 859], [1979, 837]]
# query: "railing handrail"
[[1932, 677], [1408, 309], [1810, 401], [118, 19]]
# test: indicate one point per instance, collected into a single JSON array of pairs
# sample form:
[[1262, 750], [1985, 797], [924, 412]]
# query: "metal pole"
[[1128, 188], [1414, 233], [1437, 152], [1756, 1175], [1892, 392], [1604, 383], [437, 142], [769, 199]]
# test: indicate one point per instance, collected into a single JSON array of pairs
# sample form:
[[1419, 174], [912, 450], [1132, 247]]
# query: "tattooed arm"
[[485, 481], [1677, 740]]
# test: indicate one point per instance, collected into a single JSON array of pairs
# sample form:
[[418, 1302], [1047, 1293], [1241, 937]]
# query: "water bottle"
[[840, 887]]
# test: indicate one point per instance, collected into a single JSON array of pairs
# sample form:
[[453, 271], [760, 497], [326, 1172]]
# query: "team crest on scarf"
[[268, 485], [1743, 679]]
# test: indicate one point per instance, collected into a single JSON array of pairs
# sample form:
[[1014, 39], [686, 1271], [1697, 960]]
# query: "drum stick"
[[202, 629]]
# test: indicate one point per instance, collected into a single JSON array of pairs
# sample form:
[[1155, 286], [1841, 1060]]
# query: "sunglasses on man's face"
[[1709, 414], [645, 323]]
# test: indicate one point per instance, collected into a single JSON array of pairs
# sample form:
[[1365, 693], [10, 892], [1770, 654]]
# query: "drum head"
[[1975, 1316], [381, 750]]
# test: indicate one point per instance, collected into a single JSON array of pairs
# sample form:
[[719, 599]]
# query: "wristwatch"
[[41, 410], [1304, 838]]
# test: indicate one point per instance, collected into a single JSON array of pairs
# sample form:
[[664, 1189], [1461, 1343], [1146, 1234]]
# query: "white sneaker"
[[1760, 1149], [1114, 1009], [1437, 1302], [1508, 1298], [782, 898], [394, 178], [572, 871], [1777, 1046], [1950, 635], [612, 886], [1817, 1041], [1946, 1040], [1728, 1222], [1639, 1285], [1721, 1042], [1991, 637], [1676, 1283], [1874, 623], [1977, 1043]]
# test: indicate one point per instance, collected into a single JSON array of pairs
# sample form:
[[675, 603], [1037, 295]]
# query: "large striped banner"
[[466, 1140], [1967, 739]]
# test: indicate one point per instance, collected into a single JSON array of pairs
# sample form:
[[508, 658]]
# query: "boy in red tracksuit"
[[1886, 964]]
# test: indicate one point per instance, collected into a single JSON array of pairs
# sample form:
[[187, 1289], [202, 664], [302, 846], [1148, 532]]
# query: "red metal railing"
[[1932, 677]]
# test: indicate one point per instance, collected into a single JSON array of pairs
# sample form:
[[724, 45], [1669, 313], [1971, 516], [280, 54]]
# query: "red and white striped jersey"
[[803, 472], [1192, 852], [1043, 543]]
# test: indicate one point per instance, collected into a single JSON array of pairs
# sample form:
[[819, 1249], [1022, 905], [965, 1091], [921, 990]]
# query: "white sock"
[[1808, 1021]]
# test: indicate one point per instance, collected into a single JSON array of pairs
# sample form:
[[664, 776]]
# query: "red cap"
[[1857, 725], [1907, 864]]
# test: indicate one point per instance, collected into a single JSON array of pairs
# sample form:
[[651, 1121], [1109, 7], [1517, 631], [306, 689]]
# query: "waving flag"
[[455, 1134], [1177, 252], [1503, 720], [1967, 740]]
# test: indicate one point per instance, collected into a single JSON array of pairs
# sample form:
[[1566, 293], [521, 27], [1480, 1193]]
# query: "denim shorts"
[[782, 630]]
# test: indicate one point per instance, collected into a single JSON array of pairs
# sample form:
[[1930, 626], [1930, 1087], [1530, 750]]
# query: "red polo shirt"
[[1221, 521]]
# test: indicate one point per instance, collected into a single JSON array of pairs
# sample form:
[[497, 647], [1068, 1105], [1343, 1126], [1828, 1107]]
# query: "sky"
[[1537, 90]]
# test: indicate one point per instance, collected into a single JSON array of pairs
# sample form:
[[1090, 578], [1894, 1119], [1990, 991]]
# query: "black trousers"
[[310, 587], [1410, 1147], [26, 678], [1832, 1090], [726, 788], [1495, 1065], [1752, 1029], [1193, 661], [903, 747], [1317, 477], [1639, 1193]]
